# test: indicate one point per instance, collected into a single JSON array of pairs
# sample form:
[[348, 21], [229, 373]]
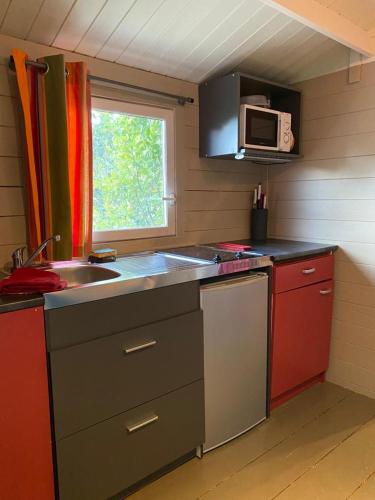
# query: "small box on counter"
[[102, 255]]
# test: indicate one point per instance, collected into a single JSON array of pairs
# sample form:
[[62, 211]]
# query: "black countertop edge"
[[10, 303], [283, 250]]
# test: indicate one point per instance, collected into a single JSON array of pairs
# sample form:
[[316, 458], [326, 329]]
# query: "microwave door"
[[261, 128]]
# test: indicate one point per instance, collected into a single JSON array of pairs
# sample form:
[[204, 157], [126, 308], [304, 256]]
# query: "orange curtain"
[[78, 98], [34, 215], [59, 145]]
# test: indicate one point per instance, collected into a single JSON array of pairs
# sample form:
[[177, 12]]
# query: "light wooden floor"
[[321, 445]]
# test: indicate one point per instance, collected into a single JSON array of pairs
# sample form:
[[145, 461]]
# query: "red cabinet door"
[[26, 470], [300, 335]]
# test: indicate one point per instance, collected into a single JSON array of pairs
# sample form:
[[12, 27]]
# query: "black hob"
[[212, 253]]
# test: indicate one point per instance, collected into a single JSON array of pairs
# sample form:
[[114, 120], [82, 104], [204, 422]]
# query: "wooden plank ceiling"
[[187, 39]]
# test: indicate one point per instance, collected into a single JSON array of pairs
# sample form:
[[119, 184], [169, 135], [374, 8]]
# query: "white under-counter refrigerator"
[[235, 319]]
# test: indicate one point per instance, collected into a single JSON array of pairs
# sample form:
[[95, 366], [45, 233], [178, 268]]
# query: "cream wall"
[[213, 196], [330, 197]]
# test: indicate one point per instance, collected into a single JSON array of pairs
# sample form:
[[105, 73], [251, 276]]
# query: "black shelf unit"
[[219, 117]]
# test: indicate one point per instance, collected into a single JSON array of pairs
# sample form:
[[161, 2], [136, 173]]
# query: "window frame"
[[169, 198]]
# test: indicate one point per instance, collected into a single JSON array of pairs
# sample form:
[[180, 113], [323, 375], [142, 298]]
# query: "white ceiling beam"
[[326, 21]]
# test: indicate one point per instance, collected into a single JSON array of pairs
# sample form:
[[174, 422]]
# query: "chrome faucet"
[[17, 255]]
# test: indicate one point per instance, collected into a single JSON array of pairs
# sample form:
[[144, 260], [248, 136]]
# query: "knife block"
[[259, 220]]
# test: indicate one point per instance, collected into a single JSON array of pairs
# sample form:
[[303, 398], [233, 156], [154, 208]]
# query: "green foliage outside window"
[[128, 183]]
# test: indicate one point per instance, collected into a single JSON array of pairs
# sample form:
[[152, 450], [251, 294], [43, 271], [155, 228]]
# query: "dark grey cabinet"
[[102, 460], [127, 388], [98, 379], [219, 116], [72, 325]]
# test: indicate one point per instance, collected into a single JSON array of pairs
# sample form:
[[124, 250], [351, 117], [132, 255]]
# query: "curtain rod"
[[45, 68]]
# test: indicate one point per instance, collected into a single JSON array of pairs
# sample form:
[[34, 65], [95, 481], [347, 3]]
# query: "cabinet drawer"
[[72, 325], [301, 273], [107, 458], [104, 377]]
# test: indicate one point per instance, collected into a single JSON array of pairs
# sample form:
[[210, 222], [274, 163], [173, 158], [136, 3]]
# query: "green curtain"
[[54, 143]]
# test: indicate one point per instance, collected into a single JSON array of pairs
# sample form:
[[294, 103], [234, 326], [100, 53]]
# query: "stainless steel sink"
[[131, 273], [142, 265], [78, 275], [151, 263]]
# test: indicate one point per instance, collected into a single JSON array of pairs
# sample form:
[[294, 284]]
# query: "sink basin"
[[151, 263], [84, 274]]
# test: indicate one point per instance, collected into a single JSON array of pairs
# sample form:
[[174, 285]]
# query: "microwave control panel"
[[286, 136]]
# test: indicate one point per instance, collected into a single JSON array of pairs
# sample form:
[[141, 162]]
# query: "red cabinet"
[[301, 328], [26, 470]]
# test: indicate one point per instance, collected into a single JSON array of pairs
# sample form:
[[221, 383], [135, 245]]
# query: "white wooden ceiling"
[[188, 39]]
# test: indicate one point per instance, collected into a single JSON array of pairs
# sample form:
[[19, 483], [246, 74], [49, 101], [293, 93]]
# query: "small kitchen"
[[186, 250]]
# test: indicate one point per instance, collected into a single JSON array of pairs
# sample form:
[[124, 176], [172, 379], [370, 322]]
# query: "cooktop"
[[229, 261], [211, 253]]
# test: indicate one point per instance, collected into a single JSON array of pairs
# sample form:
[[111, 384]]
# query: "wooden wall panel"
[[191, 115], [356, 99], [7, 115], [329, 196], [340, 147], [203, 180], [355, 314], [12, 230], [359, 122], [327, 230], [324, 189], [356, 253], [5, 87], [337, 83], [214, 235], [216, 219], [11, 201], [355, 274], [338, 210], [11, 171], [345, 331], [214, 200], [355, 293], [9, 142], [326, 169]]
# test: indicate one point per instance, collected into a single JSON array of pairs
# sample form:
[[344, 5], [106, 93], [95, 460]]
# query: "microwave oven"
[[263, 128]]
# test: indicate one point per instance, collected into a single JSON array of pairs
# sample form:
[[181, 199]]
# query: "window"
[[133, 171]]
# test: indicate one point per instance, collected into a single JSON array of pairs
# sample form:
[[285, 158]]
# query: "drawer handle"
[[146, 345], [144, 423], [325, 292], [309, 271]]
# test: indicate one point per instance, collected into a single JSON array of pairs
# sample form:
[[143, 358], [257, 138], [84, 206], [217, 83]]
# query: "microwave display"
[[261, 128]]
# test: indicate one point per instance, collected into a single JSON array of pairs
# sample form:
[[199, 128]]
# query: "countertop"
[[10, 303], [278, 250], [283, 250]]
